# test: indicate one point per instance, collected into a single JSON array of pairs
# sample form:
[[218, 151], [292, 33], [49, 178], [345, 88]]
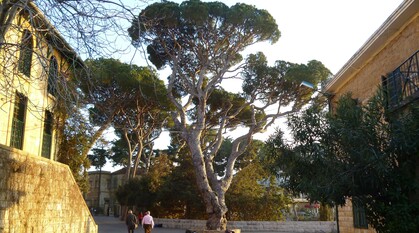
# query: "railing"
[[402, 85]]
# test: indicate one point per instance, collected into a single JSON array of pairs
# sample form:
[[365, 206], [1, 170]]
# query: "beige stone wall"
[[346, 220], [365, 81], [254, 226], [40, 195]]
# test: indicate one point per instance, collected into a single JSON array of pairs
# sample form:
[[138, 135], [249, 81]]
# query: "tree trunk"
[[96, 137], [216, 222], [294, 209], [98, 188], [215, 204], [137, 159]]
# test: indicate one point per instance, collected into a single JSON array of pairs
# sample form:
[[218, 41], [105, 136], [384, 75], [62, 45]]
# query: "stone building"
[[388, 58], [37, 194], [101, 195]]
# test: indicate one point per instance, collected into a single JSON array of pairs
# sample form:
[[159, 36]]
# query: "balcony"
[[402, 85]]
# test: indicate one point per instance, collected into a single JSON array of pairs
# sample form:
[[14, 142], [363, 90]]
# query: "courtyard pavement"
[[109, 224]]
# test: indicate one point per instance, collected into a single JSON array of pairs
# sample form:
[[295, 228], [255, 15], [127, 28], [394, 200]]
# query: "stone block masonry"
[[254, 226], [38, 195]]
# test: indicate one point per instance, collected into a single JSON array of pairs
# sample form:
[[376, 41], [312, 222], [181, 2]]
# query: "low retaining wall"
[[290, 226], [40, 195]]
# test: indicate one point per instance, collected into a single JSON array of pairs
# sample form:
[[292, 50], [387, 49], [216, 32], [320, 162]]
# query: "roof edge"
[[66, 46], [375, 43]]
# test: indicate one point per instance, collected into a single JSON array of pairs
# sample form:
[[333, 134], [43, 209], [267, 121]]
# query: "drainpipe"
[[337, 218]]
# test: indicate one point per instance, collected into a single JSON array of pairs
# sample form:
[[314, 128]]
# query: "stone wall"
[[246, 226], [346, 220], [40, 195], [365, 81]]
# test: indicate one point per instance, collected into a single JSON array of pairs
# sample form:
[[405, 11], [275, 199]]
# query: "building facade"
[[389, 59], [101, 197], [37, 194]]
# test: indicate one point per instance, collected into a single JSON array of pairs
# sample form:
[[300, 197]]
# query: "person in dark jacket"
[[131, 222]]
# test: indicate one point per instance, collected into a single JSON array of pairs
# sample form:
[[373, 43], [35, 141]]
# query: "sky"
[[330, 31]]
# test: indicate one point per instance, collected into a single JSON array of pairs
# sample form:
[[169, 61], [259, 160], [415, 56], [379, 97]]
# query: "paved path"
[[109, 224]]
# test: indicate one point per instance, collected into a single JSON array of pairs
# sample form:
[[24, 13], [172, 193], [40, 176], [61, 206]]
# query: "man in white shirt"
[[147, 222]]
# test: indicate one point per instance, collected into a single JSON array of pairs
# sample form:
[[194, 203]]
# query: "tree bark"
[[214, 203]]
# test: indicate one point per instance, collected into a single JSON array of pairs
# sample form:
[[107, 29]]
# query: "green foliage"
[[179, 195], [73, 139], [170, 192], [326, 213], [130, 98], [127, 194], [120, 153], [166, 190], [98, 158], [230, 104], [110, 85], [255, 196], [221, 158], [272, 84], [170, 29], [364, 152], [142, 192]]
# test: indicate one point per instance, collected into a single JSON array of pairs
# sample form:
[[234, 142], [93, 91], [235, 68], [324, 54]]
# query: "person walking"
[[131, 222], [140, 217], [148, 222]]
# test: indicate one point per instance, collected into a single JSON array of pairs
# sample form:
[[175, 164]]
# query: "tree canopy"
[[362, 152], [202, 42]]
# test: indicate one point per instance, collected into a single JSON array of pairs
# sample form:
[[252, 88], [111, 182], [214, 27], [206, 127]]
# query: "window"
[[52, 76], [18, 122], [402, 85], [25, 56], [47, 136], [360, 219]]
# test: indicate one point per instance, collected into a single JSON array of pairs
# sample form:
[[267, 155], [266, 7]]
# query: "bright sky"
[[330, 31]]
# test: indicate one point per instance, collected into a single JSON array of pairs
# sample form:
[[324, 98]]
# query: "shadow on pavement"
[[109, 224]]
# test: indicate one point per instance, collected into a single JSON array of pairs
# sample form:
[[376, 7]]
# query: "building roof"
[[120, 171], [97, 172], [124, 171], [381, 37], [54, 36]]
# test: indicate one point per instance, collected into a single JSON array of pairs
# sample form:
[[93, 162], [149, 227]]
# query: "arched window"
[[25, 56], [52, 76]]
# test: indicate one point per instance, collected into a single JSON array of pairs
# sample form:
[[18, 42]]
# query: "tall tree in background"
[[201, 42], [129, 98], [112, 84], [363, 152], [143, 118], [133, 101], [98, 160]]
